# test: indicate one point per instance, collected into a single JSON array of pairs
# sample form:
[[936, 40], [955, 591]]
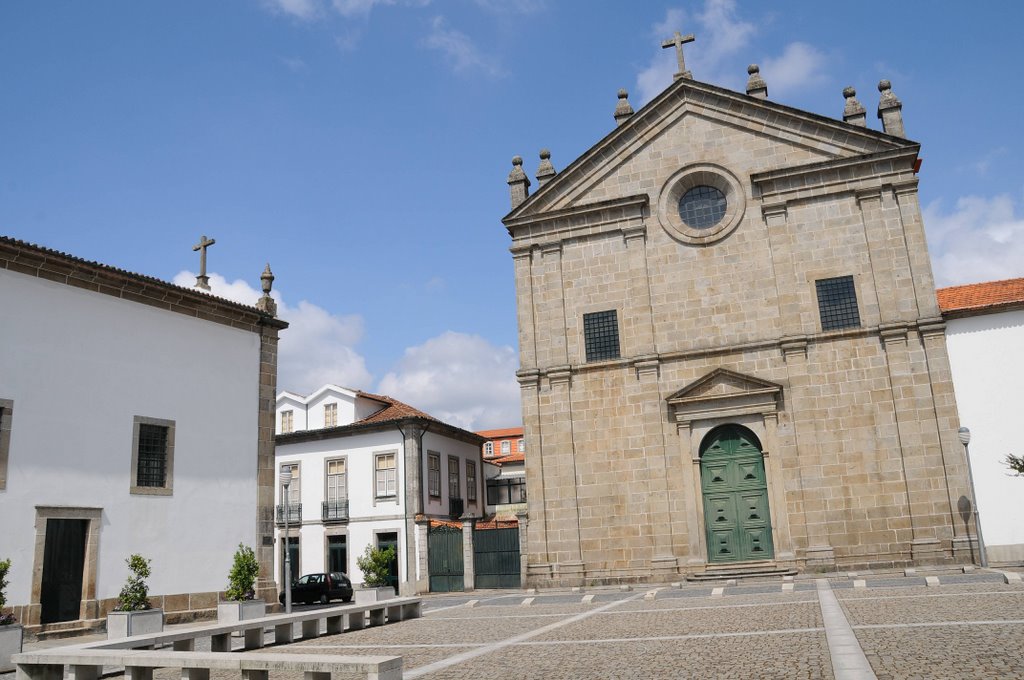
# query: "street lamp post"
[[965, 439], [286, 480]]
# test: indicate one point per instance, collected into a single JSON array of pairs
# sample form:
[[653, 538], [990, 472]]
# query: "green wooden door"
[[444, 559], [735, 490], [496, 558]]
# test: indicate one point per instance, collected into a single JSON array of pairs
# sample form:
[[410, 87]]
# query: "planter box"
[[126, 624], [10, 644], [233, 612], [364, 595]]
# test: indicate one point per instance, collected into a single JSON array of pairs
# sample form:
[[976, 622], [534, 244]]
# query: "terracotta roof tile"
[[517, 457], [981, 296], [393, 410], [498, 434]]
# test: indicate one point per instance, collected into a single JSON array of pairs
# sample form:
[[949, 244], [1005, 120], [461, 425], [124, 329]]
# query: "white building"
[[369, 470], [985, 336], [130, 418]]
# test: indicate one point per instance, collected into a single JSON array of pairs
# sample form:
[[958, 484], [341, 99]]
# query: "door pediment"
[[723, 393]]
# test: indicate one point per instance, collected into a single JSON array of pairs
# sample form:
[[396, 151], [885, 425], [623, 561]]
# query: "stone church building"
[[731, 353]]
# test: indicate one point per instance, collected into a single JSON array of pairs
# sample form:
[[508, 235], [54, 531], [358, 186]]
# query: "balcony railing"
[[455, 508], [334, 511], [294, 511]]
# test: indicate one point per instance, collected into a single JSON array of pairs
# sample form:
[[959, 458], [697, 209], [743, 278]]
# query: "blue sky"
[[362, 146]]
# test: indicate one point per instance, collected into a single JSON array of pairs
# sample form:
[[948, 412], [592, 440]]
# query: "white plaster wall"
[[463, 451], [79, 366], [985, 354], [298, 409]]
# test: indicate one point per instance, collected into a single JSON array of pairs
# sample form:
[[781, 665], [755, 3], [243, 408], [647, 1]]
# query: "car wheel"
[[346, 598], [280, 598], [324, 599]]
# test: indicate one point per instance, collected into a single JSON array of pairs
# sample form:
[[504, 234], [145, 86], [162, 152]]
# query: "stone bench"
[[335, 618], [87, 664]]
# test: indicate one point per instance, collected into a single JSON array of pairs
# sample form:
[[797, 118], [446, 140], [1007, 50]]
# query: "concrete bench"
[[87, 664], [335, 618]]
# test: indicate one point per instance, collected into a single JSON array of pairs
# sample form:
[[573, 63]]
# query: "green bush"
[[5, 566], [1015, 463], [242, 577], [135, 593], [376, 565]]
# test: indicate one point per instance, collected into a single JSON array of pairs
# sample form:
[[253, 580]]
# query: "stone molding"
[[623, 215]]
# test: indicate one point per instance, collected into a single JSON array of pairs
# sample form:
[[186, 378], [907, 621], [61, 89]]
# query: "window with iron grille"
[[601, 335], [152, 456], [434, 474], [470, 481], [6, 415], [287, 422], [453, 478], [506, 491], [330, 415], [837, 303], [387, 481]]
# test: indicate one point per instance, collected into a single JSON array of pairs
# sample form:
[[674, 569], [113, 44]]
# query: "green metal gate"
[[444, 559], [496, 558]]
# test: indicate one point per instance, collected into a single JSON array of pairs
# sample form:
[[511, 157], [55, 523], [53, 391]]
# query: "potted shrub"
[[241, 603], [133, 614], [10, 632], [376, 567]]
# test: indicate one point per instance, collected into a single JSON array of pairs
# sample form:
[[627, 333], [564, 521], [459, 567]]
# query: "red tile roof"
[[517, 457], [981, 297], [501, 434], [393, 410]]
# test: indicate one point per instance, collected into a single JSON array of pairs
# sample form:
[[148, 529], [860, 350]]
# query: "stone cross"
[[203, 281], [678, 41]]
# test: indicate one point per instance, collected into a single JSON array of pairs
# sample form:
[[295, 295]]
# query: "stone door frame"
[[725, 397], [89, 608]]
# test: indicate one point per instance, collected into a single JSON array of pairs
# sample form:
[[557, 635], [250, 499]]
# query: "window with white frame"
[[337, 482], [489, 448], [521, 445], [471, 481], [434, 474], [386, 474], [453, 478], [330, 415], [506, 447], [287, 422], [295, 486]]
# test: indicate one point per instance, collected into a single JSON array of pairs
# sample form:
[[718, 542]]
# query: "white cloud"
[[318, 347], [514, 7], [357, 8], [719, 34], [460, 379], [459, 49], [982, 239], [294, 64], [301, 9], [798, 66]]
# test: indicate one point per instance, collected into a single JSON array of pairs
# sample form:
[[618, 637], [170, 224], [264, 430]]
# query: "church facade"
[[731, 353]]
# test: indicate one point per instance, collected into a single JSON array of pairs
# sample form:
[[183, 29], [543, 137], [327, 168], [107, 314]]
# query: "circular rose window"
[[702, 207]]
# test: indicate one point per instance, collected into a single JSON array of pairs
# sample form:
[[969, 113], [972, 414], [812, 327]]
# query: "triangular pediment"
[[686, 117], [725, 392]]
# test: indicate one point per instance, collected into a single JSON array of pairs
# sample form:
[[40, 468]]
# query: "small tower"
[[518, 182], [756, 87], [545, 171], [266, 303], [853, 112], [623, 110], [890, 110]]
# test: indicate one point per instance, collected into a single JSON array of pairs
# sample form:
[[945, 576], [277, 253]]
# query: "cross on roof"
[[203, 281], [678, 41]]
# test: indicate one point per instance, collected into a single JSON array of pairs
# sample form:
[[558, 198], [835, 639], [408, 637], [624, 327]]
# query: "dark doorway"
[[292, 551], [384, 541], [337, 554], [63, 567]]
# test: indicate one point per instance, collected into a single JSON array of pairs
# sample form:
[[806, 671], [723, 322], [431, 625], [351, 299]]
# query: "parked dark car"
[[321, 588]]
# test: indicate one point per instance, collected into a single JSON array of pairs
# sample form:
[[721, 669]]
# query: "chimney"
[[853, 112], [545, 171], [889, 110], [623, 110], [518, 182], [756, 87]]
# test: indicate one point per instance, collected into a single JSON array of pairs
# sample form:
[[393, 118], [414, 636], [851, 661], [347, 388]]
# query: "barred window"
[[434, 474], [837, 303], [601, 335], [6, 415], [386, 475], [330, 415], [470, 481], [152, 456]]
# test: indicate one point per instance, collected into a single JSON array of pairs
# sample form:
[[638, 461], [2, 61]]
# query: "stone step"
[[725, 574], [58, 631]]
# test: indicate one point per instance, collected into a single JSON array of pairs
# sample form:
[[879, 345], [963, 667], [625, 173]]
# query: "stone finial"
[[266, 303], [890, 110], [518, 182], [756, 87], [545, 171], [623, 110], [853, 112]]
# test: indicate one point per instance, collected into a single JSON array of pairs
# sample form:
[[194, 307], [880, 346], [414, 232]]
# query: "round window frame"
[[694, 176]]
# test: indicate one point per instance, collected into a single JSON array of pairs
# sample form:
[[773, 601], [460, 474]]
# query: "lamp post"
[[965, 439], [286, 480]]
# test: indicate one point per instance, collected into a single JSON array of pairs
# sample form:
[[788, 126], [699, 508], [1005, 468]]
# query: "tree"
[[5, 566], [135, 593], [376, 565], [242, 577], [1015, 463]]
